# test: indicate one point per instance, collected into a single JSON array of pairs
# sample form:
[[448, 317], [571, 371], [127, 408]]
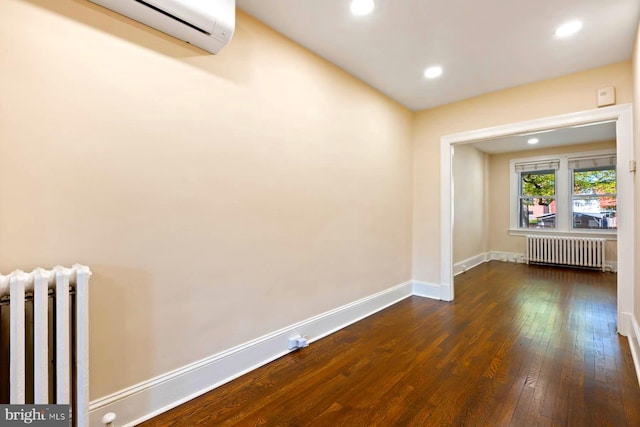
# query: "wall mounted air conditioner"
[[208, 24]]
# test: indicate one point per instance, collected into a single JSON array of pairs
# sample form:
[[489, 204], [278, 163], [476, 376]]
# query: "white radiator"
[[55, 305], [572, 251]]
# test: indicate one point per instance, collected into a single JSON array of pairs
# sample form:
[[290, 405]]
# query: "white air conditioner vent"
[[208, 24]]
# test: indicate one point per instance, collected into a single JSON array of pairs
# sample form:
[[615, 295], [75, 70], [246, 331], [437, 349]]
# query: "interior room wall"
[[566, 94], [470, 229], [215, 198], [636, 131], [499, 196]]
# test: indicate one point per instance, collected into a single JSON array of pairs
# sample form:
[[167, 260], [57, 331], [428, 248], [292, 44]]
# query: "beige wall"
[[636, 131], [216, 198], [470, 220], [499, 197], [219, 198], [571, 93]]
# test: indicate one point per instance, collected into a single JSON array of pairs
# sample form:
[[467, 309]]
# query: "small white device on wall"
[[606, 96], [208, 24]]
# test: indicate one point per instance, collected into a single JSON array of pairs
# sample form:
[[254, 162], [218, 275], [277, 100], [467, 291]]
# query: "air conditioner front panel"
[[208, 25], [187, 10]]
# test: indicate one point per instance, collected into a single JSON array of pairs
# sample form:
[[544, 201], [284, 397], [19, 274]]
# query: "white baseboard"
[[506, 256], [474, 261], [157, 395], [446, 292], [426, 290], [469, 263], [634, 343], [625, 324]]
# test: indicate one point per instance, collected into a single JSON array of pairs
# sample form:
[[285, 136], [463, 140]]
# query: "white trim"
[[626, 230], [623, 115], [507, 257], [469, 263], [515, 257], [634, 340], [427, 290], [446, 217], [149, 398], [603, 234]]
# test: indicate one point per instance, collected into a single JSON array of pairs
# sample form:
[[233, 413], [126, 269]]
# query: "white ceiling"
[[483, 45], [564, 136]]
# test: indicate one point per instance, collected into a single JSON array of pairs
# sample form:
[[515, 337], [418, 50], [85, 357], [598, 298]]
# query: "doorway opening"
[[576, 124]]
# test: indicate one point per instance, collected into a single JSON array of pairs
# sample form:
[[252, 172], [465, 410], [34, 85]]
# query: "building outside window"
[[566, 193]]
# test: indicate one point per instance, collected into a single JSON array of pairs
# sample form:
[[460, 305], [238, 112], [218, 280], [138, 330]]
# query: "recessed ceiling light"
[[533, 141], [433, 72], [568, 29], [362, 7]]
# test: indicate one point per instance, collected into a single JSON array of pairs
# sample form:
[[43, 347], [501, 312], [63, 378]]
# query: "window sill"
[[609, 235]]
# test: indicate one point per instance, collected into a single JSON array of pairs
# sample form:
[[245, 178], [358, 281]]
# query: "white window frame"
[[564, 199]]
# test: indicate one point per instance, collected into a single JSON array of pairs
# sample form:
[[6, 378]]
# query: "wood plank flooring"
[[520, 346]]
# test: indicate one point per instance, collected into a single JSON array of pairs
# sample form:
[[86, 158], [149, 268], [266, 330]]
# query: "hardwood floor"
[[520, 346]]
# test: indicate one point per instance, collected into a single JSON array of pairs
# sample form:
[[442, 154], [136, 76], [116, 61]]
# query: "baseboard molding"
[[427, 290], [474, 261], [507, 257], [625, 324], [634, 343], [469, 263], [145, 400]]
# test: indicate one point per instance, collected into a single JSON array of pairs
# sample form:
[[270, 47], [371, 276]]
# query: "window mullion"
[[563, 196]]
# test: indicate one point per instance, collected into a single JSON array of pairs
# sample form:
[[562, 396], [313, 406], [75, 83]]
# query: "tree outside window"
[[594, 198], [564, 193], [538, 199]]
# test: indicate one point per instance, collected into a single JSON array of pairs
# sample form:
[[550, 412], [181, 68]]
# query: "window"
[[594, 194], [538, 199], [565, 193]]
